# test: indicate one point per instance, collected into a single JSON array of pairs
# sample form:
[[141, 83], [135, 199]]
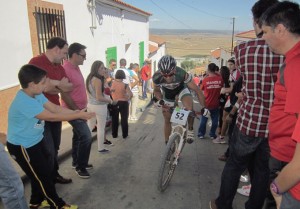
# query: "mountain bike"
[[174, 146]]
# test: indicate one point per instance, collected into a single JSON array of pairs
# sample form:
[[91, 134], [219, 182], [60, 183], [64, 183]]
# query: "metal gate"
[[49, 23]]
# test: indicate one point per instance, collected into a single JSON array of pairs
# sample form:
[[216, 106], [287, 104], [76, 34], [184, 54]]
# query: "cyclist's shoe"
[[190, 136]]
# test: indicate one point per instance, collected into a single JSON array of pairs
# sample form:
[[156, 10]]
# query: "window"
[[49, 23]]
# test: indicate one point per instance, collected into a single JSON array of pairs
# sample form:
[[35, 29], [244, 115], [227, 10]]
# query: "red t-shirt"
[[146, 69], [211, 85], [54, 71], [295, 191], [286, 105], [281, 125]]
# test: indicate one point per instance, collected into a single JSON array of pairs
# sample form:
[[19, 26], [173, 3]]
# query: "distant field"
[[195, 45]]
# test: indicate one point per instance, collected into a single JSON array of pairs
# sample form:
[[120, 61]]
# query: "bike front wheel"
[[167, 166]]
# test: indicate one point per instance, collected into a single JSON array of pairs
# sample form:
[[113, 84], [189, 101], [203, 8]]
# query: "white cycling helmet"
[[167, 64]]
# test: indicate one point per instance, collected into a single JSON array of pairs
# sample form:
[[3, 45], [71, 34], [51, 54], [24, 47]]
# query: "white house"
[[157, 49], [220, 56], [108, 28]]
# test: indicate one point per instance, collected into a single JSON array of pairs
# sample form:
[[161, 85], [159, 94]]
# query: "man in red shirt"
[[145, 76], [50, 61], [280, 25], [211, 86]]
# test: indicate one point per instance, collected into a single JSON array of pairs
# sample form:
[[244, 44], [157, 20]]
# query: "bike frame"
[[180, 130]]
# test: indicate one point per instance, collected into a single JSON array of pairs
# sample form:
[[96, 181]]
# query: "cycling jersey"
[[171, 90]]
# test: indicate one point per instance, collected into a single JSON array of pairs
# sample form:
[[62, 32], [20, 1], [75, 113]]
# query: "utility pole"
[[233, 20]]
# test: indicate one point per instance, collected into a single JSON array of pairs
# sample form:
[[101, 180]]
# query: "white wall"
[[156, 56], [224, 55], [111, 31], [15, 41]]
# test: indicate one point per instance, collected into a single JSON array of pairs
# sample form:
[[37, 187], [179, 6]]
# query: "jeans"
[[229, 133], [214, 114], [81, 143], [122, 108], [245, 152], [33, 161], [289, 202], [11, 186], [144, 88], [51, 143]]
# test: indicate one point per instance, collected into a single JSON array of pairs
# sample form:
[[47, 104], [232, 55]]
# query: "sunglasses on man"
[[166, 75]]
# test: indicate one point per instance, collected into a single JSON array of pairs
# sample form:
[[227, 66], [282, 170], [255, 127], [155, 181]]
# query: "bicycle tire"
[[167, 166]]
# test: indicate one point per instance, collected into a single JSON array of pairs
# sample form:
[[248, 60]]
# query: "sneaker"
[[244, 178], [219, 140], [66, 206], [88, 167], [107, 142], [43, 204], [103, 151], [190, 136], [134, 118], [212, 204], [201, 137], [82, 173], [61, 180], [244, 190]]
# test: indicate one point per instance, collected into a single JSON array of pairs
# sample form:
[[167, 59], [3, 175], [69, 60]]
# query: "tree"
[[188, 65]]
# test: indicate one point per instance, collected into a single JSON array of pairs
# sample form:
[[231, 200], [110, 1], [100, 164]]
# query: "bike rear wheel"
[[167, 166]]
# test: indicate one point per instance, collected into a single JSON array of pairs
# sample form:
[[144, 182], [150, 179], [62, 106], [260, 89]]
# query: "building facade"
[[108, 28]]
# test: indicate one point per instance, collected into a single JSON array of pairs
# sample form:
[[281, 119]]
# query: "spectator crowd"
[[252, 103]]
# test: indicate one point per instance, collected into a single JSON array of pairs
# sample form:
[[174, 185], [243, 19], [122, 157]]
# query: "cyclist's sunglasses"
[[168, 75]]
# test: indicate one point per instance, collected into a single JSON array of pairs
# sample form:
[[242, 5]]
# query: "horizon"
[[176, 31], [198, 15]]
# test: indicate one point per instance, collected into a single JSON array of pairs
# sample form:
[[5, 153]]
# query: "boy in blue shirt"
[[26, 116]]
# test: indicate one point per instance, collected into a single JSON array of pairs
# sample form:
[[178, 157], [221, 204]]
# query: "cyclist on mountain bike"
[[172, 82]]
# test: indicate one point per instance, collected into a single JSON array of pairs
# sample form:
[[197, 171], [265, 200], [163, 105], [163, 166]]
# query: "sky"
[[198, 14]]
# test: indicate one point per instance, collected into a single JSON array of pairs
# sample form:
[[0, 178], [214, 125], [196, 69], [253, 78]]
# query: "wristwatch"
[[275, 188]]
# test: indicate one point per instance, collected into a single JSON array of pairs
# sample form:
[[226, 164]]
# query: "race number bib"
[[179, 116]]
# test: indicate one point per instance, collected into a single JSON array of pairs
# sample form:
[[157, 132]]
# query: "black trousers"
[[121, 108], [51, 143], [34, 163]]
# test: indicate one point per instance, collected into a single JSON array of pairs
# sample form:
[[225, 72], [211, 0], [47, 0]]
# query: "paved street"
[[126, 177]]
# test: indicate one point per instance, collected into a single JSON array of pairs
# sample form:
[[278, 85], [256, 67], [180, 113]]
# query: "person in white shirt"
[[134, 68]]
